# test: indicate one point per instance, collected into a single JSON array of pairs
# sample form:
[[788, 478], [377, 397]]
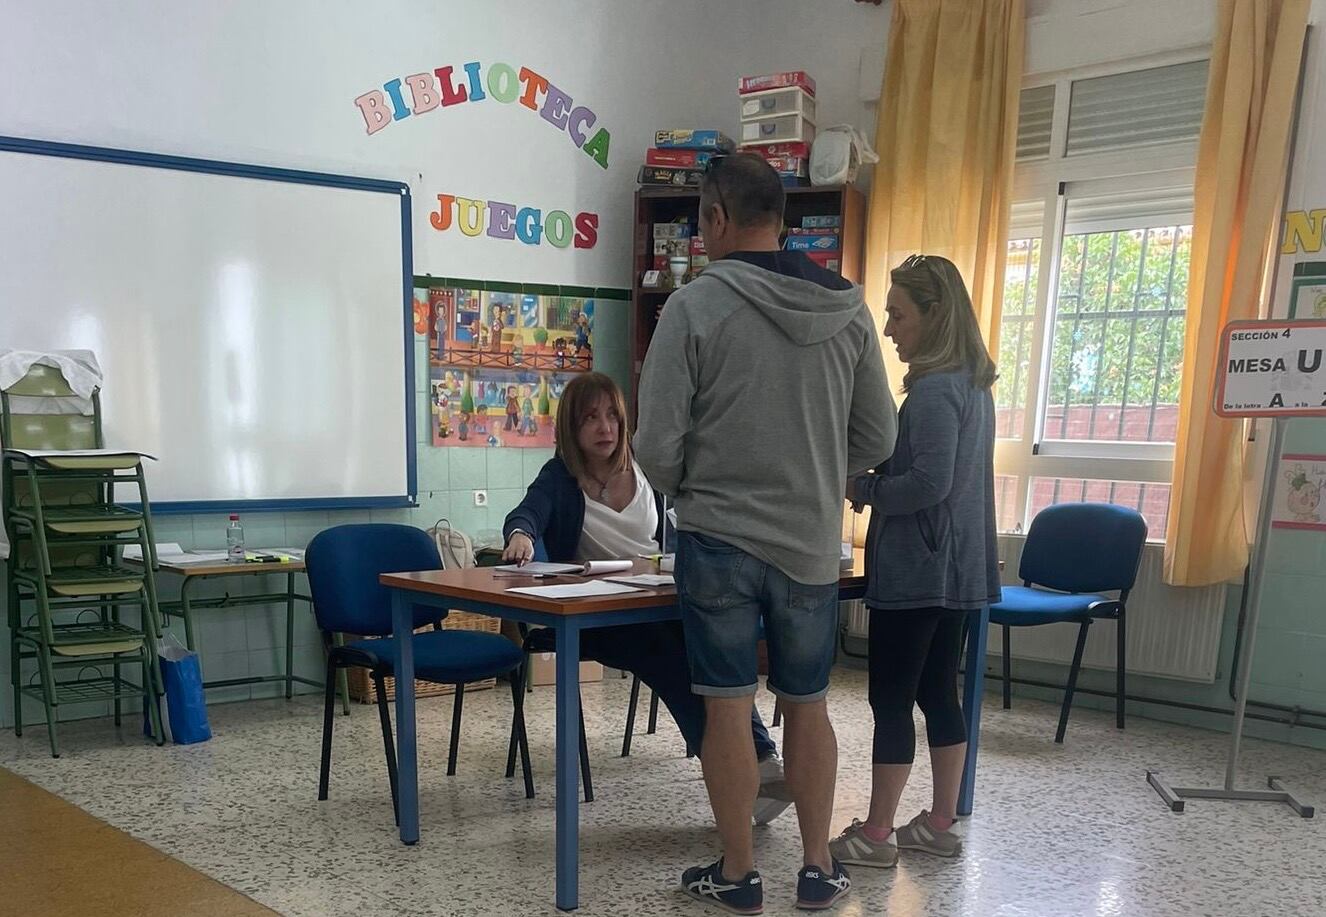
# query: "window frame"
[[1052, 180]]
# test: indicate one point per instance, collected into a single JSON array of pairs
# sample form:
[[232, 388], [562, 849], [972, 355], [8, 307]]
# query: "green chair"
[[66, 587]]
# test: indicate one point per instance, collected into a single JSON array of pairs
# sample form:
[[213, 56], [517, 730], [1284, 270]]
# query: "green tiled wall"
[[252, 641]]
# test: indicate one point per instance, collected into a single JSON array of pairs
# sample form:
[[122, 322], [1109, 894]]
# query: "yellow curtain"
[[946, 138], [1237, 196]]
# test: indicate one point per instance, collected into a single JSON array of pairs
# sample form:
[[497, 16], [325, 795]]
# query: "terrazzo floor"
[[1070, 830]]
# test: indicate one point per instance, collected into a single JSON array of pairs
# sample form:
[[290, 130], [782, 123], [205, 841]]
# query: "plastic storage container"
[[778, 129], [790, 101]]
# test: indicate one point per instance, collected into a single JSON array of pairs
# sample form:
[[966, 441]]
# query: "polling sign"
[[1272, 369]]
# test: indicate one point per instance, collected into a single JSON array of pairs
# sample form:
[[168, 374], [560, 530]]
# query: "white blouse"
[[610, 535]]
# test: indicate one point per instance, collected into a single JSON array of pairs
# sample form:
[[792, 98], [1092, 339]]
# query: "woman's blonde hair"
[[579, 398], [950, 335]]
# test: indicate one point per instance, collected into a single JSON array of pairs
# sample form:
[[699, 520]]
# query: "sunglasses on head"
[[711, 168]]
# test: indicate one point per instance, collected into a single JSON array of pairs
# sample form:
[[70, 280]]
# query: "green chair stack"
[[68, 589]]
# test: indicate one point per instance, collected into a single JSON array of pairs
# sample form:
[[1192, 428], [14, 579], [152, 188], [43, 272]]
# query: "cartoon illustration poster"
[[498, 362], [1299, 490]]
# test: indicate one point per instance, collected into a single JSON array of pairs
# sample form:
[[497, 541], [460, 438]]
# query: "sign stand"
[[1174, 796]]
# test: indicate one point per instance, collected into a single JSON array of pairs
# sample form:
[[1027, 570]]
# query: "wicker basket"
[[361, 686]]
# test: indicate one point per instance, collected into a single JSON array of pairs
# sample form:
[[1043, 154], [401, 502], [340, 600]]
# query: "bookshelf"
[[664, 205]]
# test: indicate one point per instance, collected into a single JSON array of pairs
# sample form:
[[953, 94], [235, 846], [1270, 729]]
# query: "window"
[[1092, 331]]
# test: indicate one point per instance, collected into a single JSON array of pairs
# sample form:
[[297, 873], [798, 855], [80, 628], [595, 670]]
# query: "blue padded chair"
[[1075, 551], [344, 563]]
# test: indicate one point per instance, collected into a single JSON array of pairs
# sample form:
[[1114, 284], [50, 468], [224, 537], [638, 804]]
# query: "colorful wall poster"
[[498, 360], [1299, 488]]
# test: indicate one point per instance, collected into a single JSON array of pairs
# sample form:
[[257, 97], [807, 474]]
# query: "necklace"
[[603, 485]]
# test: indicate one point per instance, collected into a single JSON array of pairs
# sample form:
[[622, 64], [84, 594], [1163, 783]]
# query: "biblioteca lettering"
[[445, 87]]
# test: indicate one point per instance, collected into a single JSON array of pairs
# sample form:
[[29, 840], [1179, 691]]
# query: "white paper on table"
[[575, 590], [78, 453], [193, 557], [648, 580], [135, 552], [172, 553]]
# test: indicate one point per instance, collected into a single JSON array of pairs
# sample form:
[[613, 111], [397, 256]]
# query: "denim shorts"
[[725, 594]]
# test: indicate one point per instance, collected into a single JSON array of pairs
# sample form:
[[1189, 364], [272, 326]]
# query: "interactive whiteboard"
[[253, 324]]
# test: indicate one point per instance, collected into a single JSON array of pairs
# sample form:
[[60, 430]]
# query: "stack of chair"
[[75, 609]]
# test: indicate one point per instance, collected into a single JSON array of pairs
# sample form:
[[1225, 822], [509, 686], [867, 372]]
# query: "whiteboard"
[[252, 324]]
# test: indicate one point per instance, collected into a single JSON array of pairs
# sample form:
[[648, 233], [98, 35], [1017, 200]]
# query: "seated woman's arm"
[[935, 411], [527, 522]]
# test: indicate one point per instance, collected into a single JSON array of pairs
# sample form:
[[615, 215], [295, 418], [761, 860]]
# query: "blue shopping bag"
[[186, 707]]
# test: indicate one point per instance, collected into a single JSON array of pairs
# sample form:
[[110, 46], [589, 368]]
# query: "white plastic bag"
[[453, 545], [837, 155]]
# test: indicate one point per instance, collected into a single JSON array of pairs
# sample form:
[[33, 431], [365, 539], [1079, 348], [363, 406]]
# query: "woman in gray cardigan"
[[930, 555]]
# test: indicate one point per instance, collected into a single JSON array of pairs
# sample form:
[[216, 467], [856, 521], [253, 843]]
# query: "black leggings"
[[914, 657]]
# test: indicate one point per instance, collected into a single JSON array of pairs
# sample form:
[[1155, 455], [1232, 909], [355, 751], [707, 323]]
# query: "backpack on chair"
[[453, 546]]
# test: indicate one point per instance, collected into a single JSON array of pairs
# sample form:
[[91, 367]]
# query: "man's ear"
[[717, 213]]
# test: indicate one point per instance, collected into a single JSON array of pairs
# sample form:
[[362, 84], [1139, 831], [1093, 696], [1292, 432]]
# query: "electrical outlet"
[[481, 498]]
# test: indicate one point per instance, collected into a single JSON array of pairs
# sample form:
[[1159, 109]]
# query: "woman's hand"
[[519, 550], [849, 493]]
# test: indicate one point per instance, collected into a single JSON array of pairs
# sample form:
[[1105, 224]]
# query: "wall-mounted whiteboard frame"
[[265, 173]]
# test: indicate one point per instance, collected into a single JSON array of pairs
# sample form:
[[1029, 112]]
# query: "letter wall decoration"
[[514, 88]]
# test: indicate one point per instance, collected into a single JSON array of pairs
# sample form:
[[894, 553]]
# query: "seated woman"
[[591, 501]]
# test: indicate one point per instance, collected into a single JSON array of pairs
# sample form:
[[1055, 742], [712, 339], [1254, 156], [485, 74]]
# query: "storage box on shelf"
[[678, 158], [778, 129], [791, 100], [689, 139], [798, 78]]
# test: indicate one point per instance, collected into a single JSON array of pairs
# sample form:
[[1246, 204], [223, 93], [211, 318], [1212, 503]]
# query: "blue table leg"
[[973, 689], [402, 629], [568, 764]]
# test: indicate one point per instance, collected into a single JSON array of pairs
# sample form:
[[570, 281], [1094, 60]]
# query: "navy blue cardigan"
[[553, 512]]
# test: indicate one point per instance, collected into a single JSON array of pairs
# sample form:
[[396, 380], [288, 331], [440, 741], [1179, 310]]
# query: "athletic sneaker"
[[774, 797], [919, 834], [706, 883], [855, 849], [819, 892]]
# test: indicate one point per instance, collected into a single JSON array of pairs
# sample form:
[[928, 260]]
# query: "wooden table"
[[184, 607], [477, 590]]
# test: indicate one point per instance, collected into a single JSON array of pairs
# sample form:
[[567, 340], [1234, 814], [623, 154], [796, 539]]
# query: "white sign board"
[[1272, 369]]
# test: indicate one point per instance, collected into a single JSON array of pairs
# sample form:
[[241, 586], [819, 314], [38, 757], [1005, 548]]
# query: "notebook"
[[592, 568]]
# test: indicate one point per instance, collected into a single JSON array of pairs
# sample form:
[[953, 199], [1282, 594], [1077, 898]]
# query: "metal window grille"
[[1117, 340]]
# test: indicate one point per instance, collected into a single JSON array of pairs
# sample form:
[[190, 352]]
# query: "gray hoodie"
[[760, 394]]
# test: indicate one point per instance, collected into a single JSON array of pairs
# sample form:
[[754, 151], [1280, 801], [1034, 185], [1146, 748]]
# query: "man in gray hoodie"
[[763, 390]]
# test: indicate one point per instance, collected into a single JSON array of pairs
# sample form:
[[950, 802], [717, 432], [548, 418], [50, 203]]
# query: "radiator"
[[1172, 632]]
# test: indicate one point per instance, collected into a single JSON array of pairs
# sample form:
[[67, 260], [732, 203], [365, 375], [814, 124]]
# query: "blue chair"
[[344, 564], [1075, 551]]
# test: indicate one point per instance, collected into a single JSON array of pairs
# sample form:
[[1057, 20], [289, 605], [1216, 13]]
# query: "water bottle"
[[235, 540]]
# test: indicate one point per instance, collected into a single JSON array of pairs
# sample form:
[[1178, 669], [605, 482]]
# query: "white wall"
[[275, 84], [1062, 34]]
